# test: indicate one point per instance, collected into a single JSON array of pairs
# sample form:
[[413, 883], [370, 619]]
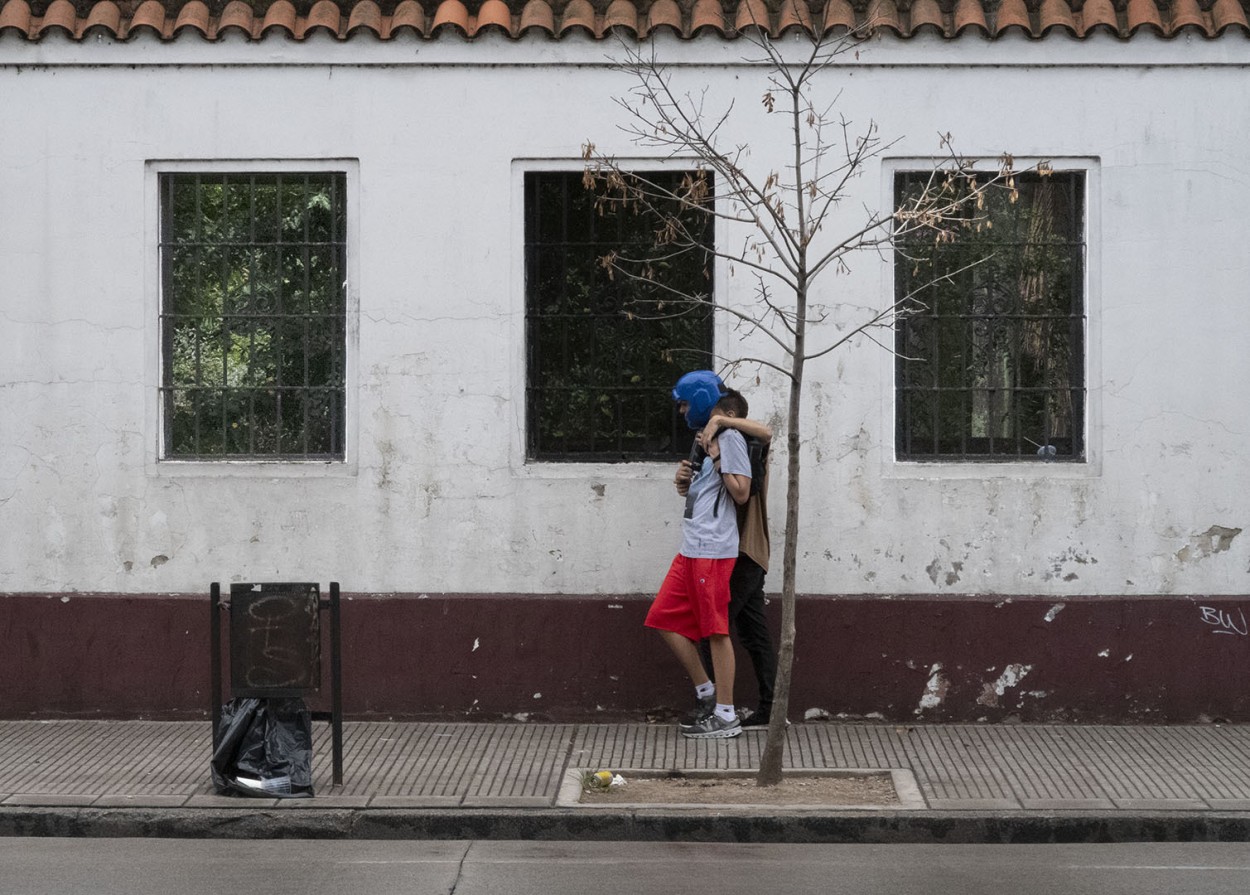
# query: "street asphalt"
[[455, 867]]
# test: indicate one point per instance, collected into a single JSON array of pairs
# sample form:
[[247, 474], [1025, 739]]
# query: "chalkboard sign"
[[275, 639]]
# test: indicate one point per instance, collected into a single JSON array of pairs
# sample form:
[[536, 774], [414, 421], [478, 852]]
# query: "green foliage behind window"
[[991, 356], [253, 315], [604, 349]]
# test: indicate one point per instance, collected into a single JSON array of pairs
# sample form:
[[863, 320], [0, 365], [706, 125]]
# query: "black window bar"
[[991, 350], [603, 349], [253, 315]]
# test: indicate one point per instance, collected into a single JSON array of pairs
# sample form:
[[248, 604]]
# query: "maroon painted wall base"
[[574, 658]]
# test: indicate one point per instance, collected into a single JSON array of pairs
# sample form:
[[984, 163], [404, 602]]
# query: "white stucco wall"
[[436, 494]]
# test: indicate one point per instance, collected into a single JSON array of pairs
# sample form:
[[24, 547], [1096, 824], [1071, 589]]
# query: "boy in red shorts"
[[693, 602]]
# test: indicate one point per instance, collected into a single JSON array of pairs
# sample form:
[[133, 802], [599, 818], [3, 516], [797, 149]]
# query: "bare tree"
[[791, 214]]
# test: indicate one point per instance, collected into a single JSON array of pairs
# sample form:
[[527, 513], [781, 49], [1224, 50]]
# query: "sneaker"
[[712, 728], [756, 720], [752, 719], [702, 708]]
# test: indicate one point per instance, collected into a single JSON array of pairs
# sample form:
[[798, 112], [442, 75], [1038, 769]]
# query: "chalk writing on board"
[[275, 638], [1224, 621]]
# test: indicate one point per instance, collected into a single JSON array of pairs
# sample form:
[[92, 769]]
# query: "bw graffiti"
[[1224, 622]]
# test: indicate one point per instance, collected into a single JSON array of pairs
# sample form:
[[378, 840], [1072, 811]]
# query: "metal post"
[[214, 641], [336, 683]]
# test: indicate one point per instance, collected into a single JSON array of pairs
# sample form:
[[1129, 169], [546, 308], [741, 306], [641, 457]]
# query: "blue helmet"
[[701, 390]]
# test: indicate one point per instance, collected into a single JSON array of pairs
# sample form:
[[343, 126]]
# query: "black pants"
[[749, 625]]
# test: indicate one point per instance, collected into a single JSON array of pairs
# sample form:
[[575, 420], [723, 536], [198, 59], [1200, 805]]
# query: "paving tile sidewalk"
[[1109, 774]]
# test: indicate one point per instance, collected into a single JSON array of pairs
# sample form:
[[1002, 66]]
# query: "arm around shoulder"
[[738, 486], [748, 427], [735, 467]]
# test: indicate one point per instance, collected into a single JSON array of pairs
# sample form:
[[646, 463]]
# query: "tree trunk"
[[774, 747]]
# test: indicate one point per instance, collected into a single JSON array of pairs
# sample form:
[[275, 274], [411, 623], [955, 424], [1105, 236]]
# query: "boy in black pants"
[[746, 586]]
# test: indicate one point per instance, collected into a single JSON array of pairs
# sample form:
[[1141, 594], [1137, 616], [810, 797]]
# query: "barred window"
[[253, 315], [604, 349], [991, 358]]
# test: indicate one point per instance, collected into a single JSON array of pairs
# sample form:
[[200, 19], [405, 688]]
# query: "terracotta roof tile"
[[366, 15], [1056, 14], [1229, 14], [16, 15], [537, 14], [621, 14], [883, 15], [343, 19], [408, 15], [494, 14], [708, 14], [664, 14], [839, 17], [926, 14], [104, 15], [578, 14], [1188, 14], [237, 16], [194, 16], [752, 14], [1096, 14], [793, 14], [59, 15], [324, 16], [1012, 14], [281, 16], [1144, 14], [452, 13], [149, 16], [970, 14]]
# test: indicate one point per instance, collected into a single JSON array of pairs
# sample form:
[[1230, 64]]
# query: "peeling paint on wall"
[[935, 690], [1011, 677], [950, 577], [1054, 610], [1061, 565], [1216, 539]]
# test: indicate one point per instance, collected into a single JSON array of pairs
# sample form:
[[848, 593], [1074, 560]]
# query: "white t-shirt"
[[710, 527]]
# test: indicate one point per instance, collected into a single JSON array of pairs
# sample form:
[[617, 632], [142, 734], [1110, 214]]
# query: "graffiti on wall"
[[1224, 621]]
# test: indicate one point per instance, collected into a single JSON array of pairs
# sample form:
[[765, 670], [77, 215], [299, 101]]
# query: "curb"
[[652, 825]]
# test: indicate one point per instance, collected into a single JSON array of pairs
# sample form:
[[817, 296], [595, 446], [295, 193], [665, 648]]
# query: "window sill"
[[986, 470], [252, 469], [581, 469]]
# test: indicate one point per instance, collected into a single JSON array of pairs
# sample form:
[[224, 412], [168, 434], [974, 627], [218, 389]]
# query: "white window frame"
[[1091, 467], [580, 469], [157, 463]]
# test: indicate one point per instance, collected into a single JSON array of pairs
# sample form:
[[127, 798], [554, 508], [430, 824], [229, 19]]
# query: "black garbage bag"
[[264, 749]]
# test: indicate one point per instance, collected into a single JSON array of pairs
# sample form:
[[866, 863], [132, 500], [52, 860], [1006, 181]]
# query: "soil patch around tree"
[[807, 789]]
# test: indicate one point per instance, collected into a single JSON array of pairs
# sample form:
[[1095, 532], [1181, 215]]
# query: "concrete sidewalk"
[[968, 783]]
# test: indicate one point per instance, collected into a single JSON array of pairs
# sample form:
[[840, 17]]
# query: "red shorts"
[[694, 599]]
